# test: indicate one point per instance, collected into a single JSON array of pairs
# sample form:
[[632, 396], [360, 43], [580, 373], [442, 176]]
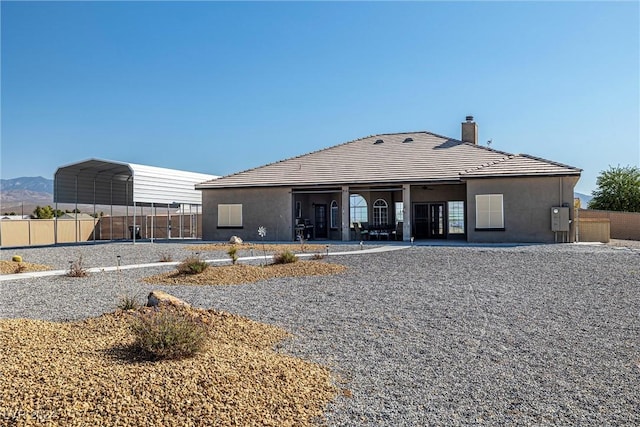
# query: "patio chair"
[[361, 233], [397, 233]]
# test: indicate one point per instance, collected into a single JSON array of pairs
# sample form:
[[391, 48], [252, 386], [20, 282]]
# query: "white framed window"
[[358, 209], [230, 215], [334, 214], [489, 211], [455, 217], [380, 212]]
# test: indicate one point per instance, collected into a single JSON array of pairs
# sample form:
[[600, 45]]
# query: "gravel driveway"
[[526, 335]]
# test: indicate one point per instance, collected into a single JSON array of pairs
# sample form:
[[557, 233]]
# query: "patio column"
[[346, 227], [406, 214]]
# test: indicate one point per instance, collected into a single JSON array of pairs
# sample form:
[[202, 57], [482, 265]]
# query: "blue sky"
[[219, 87]]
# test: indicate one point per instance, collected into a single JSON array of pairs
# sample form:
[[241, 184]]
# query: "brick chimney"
[[470, 131]]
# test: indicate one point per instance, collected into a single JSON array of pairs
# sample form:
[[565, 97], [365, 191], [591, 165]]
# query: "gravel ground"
[[453, 335]]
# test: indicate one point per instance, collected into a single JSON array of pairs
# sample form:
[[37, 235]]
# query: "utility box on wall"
[[559, 219]]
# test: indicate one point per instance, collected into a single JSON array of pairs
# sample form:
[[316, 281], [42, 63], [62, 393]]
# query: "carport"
[[113, 183]]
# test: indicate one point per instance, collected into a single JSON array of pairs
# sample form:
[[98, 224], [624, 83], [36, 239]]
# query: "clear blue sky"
[[219, 87]]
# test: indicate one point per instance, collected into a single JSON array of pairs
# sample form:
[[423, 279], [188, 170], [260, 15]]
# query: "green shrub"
[[77, 269], [285, 257], [168, 334], [192, 265], [233, 254]]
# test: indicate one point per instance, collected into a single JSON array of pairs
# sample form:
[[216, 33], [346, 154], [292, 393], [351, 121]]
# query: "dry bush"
[[128, 302], [20, 268], [168, 334], [285, 257], [166, 257], [192, 265], [77, 269]]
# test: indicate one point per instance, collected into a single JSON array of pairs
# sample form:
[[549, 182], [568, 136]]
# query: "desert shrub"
[[285, 257], [77, 269], [166, 257], [233, 254], [20, 268], [192, 265], [16, 258], [168, 334], [128, 302]]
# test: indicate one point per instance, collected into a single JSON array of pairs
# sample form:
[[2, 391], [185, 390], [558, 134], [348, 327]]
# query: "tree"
[[46, 212], [618, 190], [43, 212]]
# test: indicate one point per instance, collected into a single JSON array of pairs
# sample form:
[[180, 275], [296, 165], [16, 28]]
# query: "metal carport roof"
[[106, 182]]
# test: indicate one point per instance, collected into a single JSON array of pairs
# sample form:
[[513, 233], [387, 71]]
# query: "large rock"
[[235, 240], [161, 298]]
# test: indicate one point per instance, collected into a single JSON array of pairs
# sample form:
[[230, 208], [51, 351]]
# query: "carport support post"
[[133, 232], [346, 227], [406, 212]]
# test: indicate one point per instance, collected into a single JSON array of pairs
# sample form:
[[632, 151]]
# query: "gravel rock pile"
[[498, 335], [243, 273], [12, 267], [84, 373]]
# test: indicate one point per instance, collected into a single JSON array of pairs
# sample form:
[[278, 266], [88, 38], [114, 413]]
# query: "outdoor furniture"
[[361, 233], [304, 229], [397, 233], [380, 231]]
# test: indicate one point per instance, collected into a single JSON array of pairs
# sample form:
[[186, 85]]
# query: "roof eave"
[[465, 177]]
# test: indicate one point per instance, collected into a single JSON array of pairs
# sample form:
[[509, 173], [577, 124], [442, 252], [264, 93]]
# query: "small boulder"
[[161, 298], [235, 240]]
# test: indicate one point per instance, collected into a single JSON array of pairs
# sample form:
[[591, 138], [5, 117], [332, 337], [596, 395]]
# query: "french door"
[[320, 222], [429, 221]]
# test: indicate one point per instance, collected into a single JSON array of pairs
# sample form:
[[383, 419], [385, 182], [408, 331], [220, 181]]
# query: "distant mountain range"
[[36, 184], [584, 199], [22, 195]]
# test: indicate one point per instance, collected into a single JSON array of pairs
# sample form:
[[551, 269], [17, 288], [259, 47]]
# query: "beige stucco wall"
[[268, 207], [527, 207]]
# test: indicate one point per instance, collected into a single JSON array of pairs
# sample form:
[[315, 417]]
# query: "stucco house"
[[397, 186]]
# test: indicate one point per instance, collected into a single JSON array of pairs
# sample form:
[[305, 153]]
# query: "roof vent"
[[408, 140], [469, 118], [378, 141]]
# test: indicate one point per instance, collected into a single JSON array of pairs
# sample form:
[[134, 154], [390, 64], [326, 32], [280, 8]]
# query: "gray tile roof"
[[392, 158]]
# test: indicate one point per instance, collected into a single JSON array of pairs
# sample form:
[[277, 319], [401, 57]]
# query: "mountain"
[[24, 194], [584, 199], [36, 184]]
